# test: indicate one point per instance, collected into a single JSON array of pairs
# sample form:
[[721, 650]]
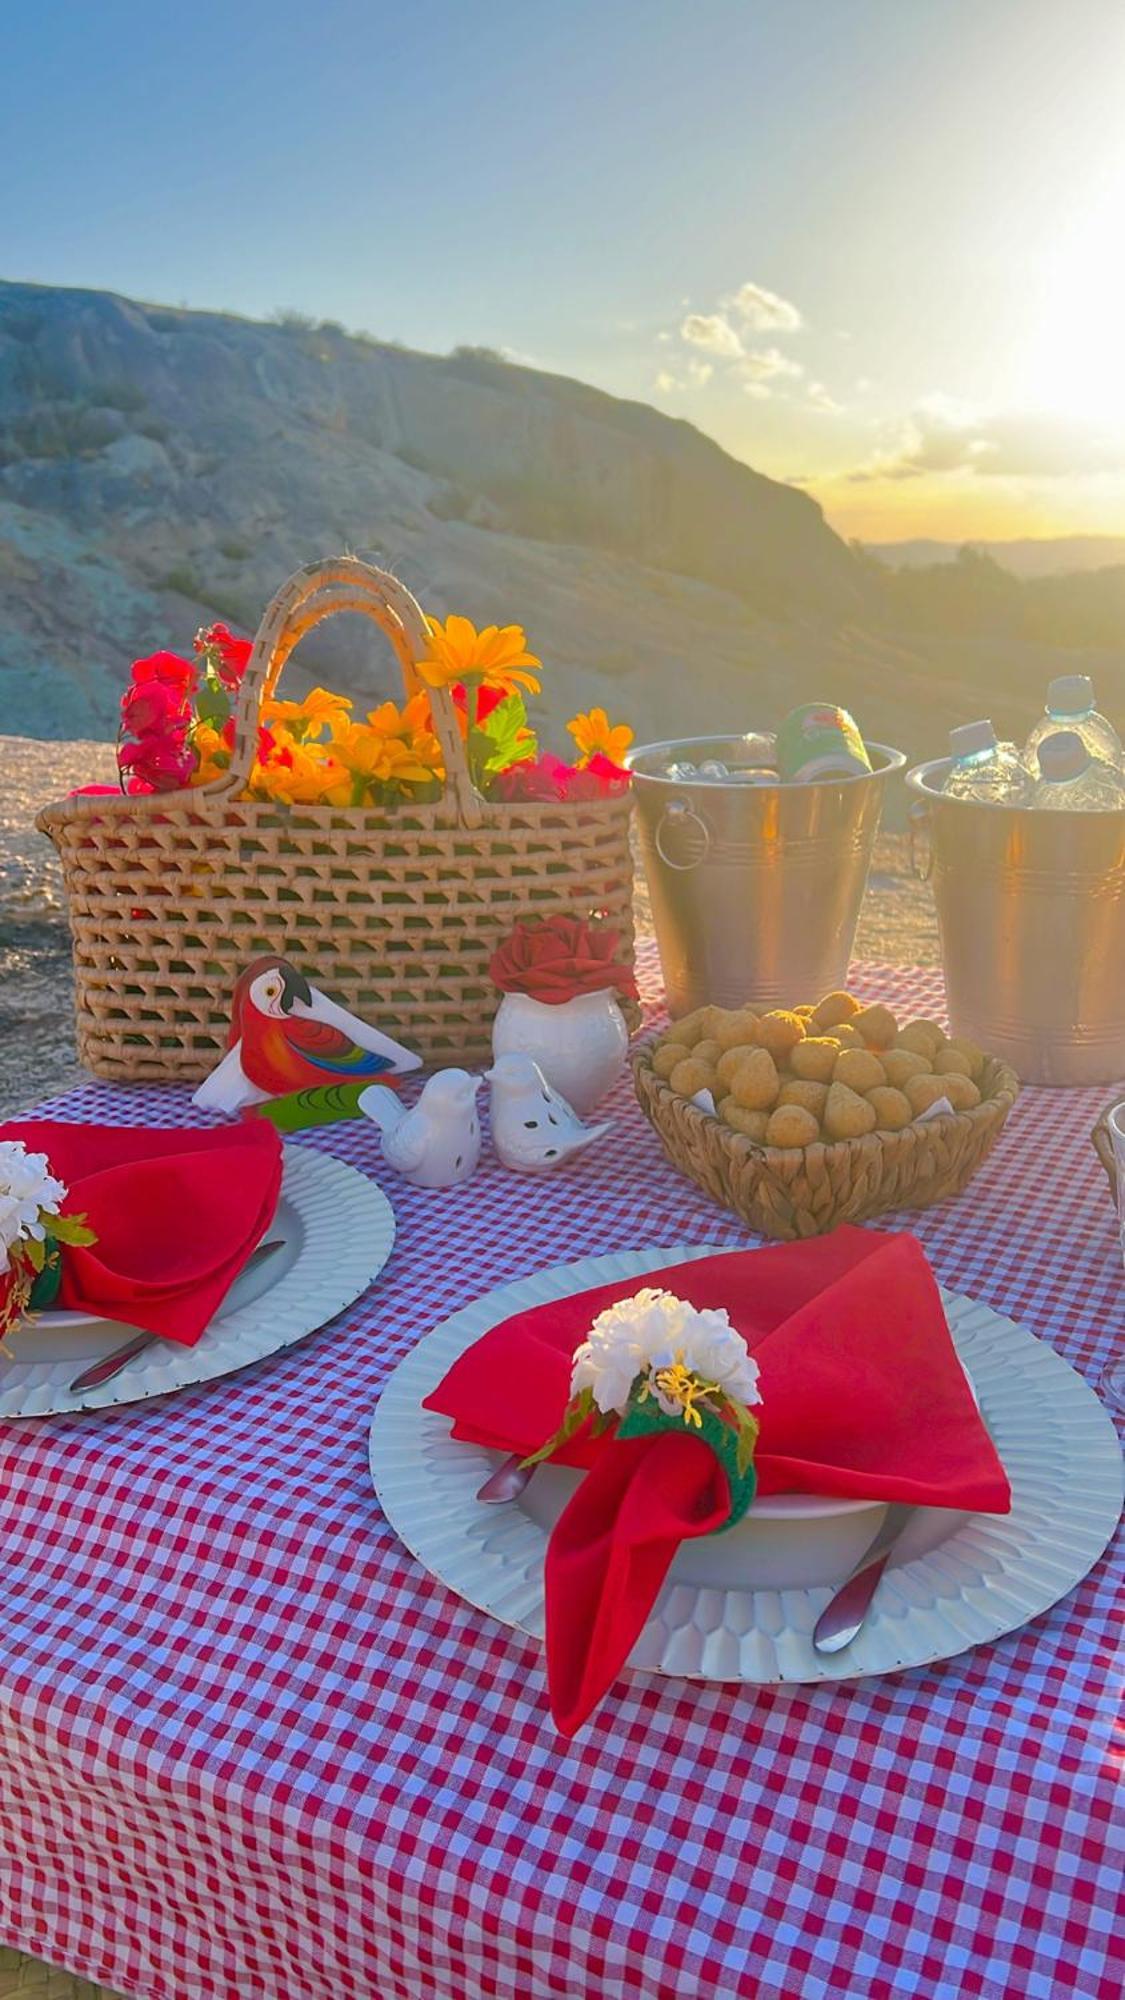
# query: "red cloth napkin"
[[177, 1214], [862, 1395]]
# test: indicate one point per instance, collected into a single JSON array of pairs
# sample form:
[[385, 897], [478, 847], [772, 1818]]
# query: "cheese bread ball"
[[877, 1025], [707, 1050], [891, 1107], [730, 1061], [751, 1124], [834, 1008], [901, 1063], [846, 1114], [961, 1091], [859, 1069], [847, 1036], [815, 1058], [791, 1126], [803, 1091], [779, 1031], [805, 1011], [926, 1090], [970, 1049], [924, 1037], [952, 1062], [688, 1031], [690, 1076], [755, 1083], [737, 1029], [666, 1056]]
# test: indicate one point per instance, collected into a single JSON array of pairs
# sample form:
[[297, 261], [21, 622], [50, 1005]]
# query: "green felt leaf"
[[73, 1229], [45, 1289], [34, 1253], [732, 1444], [574, 1416]]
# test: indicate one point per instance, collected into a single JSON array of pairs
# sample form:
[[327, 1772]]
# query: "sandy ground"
[[36, 994]]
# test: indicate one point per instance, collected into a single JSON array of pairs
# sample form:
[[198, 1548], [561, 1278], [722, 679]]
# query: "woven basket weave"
[[395, 912], [787, 1192]]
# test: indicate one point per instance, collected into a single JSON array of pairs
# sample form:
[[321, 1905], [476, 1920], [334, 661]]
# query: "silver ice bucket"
[[1031, 909], [755, 888]]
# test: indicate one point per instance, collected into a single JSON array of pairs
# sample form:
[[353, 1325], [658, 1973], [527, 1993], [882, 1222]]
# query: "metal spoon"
[[507, 1482], [844, 1614], [118, 1358]]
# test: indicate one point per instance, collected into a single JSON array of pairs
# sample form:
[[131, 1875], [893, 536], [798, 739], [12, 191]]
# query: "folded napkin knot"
[[647, 1367]]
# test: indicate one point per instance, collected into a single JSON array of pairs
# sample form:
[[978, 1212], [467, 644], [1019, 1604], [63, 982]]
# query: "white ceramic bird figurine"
[[286, 1035], [533, 1128], [436, 1143]]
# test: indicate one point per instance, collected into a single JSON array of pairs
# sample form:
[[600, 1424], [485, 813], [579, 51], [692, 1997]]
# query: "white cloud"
[[666, 383], [699, 371], [819, 399], [712, 331], [943, 435], [765, 311], [768, 364]]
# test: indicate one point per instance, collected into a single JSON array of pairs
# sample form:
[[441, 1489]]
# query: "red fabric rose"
[[554, 960], [162, 763], [488, 698]]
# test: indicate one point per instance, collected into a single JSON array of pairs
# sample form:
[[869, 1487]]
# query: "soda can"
[[820, 741]]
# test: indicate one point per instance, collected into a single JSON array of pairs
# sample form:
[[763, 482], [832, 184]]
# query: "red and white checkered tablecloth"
[[251, 1748]]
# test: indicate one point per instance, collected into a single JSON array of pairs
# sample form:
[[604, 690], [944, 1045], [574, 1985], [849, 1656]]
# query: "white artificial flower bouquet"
[[32, 1229], [654, 1362]]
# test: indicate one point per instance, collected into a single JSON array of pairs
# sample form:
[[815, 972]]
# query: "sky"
[[874, 247]]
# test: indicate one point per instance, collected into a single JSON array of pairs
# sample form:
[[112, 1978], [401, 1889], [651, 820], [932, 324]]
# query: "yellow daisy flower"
[[496, 657], [594, 733]]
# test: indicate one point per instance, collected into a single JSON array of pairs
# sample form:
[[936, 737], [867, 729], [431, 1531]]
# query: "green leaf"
[[500, 748], [212, 704], [35, 1253]]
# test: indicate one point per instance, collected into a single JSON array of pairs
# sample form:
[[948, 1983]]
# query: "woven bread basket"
[[787, 1192], [1103, 1146], [394, 911]]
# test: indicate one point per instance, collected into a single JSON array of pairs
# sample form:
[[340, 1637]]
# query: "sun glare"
[[1075, 365]]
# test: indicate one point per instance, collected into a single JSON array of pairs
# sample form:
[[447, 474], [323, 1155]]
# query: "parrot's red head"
[[266, 986]]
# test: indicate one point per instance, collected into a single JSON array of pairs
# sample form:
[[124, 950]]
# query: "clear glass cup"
[[1113, 1374]]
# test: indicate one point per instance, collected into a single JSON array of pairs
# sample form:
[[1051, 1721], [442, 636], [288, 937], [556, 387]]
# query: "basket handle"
[[314, 593]]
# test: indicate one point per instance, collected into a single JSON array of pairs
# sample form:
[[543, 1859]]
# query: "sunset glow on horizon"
[[875, 249]]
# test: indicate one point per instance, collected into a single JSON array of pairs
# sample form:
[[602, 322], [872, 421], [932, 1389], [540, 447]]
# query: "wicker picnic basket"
[[395, 912], [787, 1192]]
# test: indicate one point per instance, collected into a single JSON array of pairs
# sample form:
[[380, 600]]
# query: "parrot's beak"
[[295, 989]]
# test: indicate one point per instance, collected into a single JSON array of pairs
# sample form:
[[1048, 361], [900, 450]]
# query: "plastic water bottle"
[[1070, 780], [985, 769], [1070, 706]]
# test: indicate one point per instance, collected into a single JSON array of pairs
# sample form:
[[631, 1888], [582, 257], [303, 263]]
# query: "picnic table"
[[251, 1747]]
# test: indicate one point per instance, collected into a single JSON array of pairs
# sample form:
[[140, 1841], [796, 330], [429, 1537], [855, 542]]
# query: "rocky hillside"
[[159, 468]]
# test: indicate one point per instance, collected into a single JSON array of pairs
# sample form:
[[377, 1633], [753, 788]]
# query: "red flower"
[[168, 668], [150, 706], [610, 776], [537, 781], [488, 698], [160, 763], [231, 654], [559, 958]]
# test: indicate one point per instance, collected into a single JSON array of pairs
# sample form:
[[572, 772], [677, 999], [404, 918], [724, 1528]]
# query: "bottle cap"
[[1070, 694], [1063, 756], [971, 739]]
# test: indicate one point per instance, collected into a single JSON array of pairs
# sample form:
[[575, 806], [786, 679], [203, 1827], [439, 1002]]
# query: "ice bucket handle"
[[920, 820], [679, 813]]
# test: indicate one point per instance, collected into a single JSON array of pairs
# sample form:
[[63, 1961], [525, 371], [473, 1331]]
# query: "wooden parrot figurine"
[[285, 1035]]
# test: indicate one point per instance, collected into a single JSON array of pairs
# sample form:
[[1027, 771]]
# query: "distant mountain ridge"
[[1057, 555], [161, 467]]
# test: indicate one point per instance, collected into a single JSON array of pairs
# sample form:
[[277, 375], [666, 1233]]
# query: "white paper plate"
[[338, 1229], [741, 1606]]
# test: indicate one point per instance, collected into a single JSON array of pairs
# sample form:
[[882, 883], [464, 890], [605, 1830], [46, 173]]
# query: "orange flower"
[[497, 657], [306, 720], [596, 736], [212, 752]]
